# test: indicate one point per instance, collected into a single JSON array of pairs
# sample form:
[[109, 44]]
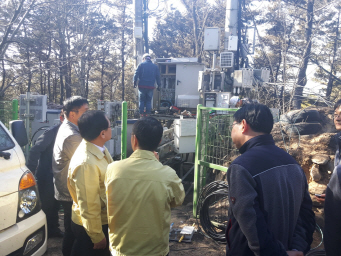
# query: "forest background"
[[85, 47]]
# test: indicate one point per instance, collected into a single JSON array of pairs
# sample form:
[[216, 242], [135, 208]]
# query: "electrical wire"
[[317, 228], [43, 128], [185, 249], [220, 188], [316, 253], [212, 191]]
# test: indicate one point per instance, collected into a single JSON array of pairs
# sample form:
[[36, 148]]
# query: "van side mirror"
[[18, 131]]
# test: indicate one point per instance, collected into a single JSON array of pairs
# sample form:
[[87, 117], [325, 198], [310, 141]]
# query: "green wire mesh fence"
[[8, 111], [214, 147]]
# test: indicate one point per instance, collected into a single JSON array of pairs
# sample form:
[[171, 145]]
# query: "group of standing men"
[[270, 207], [123, 205]]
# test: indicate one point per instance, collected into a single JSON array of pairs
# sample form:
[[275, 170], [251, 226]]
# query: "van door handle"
[[5, 155]]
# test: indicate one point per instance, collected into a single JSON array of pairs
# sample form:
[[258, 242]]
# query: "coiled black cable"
[[316, 253], [212, 194], [216, 230]]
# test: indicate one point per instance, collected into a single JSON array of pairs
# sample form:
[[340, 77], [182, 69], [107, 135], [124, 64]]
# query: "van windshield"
[[5, 140]]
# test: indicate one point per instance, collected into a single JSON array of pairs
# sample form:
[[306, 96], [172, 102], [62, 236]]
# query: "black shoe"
[[56, 233]]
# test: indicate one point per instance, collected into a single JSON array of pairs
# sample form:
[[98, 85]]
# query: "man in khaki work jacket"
[[86, 185], [67, 141], [140, 194]]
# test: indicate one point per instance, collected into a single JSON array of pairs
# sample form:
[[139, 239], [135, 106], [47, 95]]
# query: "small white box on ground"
[[185, 127], [184, 135]]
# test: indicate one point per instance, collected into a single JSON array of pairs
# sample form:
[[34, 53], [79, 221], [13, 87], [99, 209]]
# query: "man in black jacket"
[[145, 76], [40, 163], [270, 207], [332, 206]]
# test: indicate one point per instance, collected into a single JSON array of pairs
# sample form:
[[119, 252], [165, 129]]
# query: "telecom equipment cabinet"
[[179, 85]]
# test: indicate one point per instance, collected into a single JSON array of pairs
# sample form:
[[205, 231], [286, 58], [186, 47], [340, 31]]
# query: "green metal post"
[[124, 130], [15, 109], [196, 188], [204, 168]]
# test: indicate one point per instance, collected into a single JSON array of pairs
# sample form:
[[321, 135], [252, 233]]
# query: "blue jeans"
[[145, 96]]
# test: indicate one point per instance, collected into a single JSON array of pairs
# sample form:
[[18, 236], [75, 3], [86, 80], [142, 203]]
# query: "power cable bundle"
[[316, 253], [214, 195]]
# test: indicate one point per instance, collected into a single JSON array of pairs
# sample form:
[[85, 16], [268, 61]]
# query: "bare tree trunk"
[[49, 82], [302, 76], [102, 75], [55, 88], [68, 91], [41, 77], [87, 83], [332, 64], [28, 65]]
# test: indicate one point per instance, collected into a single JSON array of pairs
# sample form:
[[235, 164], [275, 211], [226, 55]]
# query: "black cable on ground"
[[318, 229], [213, 190], [185, 249], [316, 253]]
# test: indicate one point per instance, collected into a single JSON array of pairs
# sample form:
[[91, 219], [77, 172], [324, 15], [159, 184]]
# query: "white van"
[[23, 229]]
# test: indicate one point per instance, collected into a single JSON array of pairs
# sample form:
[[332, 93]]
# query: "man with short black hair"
[[140, 194], [67, 140], [86, 185], [145, 75], [270, 207]]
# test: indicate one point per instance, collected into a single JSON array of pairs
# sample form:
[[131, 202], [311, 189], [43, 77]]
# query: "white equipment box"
[[187, 101], [233, 43], [212, 39], [243, 78], [184, 135], [223, 101]]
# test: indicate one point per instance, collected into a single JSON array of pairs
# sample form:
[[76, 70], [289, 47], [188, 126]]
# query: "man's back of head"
[[73, 104], [148, 132], [94, 126], [258, 116], [146, 56], [250, 121]]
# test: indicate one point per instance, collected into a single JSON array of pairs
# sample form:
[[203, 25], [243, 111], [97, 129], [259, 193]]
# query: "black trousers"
[[49, 204], [69, 237], [83, 245]]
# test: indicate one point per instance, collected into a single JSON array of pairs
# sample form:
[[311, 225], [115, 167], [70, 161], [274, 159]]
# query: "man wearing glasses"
[[67, 141], [270, 208]]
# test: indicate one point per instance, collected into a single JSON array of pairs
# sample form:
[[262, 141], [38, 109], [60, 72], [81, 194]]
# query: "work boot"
[[55, 233]]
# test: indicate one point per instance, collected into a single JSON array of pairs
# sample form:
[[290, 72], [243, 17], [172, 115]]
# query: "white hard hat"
[[146, 55]]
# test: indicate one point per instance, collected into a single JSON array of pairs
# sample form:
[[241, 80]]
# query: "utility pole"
[[138, 38], [232, 28], [145, 22], [138, 25]]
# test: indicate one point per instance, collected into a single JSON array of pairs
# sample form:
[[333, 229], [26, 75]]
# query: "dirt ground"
[[181, 216]]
